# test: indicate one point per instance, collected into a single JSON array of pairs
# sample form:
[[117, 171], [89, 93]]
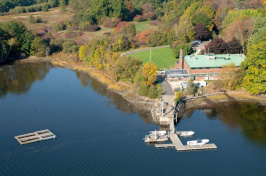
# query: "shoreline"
[[232, 96], [143, 103], [124, 89]]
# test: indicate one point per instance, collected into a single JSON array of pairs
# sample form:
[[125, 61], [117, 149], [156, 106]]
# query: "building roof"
[[214, 61], [173, 73]]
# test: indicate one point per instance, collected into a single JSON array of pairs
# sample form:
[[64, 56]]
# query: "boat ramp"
[[37, 136]]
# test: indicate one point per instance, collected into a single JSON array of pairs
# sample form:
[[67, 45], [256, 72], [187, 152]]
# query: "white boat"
[[198, 142], [158, 132], [185, 133], [155, 138]]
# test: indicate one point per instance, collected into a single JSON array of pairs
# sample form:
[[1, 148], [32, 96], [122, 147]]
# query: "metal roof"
[[177, 72], [201, 61]]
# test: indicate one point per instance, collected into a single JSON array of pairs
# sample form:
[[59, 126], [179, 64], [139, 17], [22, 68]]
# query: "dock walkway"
[[37, 136], [177, 144]]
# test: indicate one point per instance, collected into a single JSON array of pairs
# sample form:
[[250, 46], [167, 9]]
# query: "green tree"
[[186, 48], [191, 87], [255, 66], [62, 5], [32, 19], [38, 47]]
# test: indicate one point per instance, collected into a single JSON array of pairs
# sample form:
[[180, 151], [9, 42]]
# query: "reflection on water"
[[250, 117], [120, 103], [18, 78]]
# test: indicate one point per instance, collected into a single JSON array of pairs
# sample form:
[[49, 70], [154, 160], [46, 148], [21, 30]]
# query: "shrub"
[[149, 16], [91, 28], [56, 45], [32, 19], [70, 47], [110, 22], [38, 19], [120, 25], [138, 18], [59, 26]]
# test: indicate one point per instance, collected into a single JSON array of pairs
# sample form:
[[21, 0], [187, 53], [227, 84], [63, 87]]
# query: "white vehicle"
[[162, 133], [200, 142], [185, 133]]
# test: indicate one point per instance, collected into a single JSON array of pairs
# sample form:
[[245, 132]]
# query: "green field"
[[162, 57], [144, 26]]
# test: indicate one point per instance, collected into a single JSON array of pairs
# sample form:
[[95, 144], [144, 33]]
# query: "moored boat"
[[162, 133], [185, 133], [155, 138], [198, 142]]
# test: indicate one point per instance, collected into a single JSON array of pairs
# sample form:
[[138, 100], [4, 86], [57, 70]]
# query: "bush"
[[91, 28], [149, 16], [38, 19], [110, 22], [138, 18], [70, 47], [59, 26], [56, 45], [32, 19]]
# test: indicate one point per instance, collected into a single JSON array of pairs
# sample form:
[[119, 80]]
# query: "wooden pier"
[[177, 144], [37, 136]]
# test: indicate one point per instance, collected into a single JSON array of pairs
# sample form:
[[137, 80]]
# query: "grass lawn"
[[162, 57], [144, 26]]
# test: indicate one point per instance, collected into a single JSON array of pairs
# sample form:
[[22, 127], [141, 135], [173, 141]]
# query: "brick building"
[[205, 67]]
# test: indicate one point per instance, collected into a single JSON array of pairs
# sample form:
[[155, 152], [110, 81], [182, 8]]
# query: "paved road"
[[144, 49], [166, 86]]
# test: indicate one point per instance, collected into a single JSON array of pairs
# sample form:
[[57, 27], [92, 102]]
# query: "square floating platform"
[[37, 136]]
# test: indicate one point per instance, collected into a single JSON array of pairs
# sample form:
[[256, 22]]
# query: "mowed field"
[[162, 57]]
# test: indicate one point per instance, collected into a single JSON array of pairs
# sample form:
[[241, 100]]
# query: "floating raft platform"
[[177, 144], [37, 136]]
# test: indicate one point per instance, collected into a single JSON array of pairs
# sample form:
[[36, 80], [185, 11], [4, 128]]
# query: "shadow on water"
[[249, 116]]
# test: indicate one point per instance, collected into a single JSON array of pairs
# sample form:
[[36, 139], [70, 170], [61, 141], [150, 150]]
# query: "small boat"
[[200, 142], [158, 132], [185, 133], [155, 138]]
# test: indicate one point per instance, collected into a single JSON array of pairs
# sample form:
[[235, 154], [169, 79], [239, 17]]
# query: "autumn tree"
[[217, 46], [234, 46], [201, 32], [149, 73], [231, 77], [255, 66], [83, 52], [191, 87]]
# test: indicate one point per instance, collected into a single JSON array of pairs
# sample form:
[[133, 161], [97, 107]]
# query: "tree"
[[38, 47], [191, 87], [149, 72], [234, 46], [62, 5], [217, 46], [83, 52], [186, 48], [231, 77], [32, 19], [201, 32], [255, 66]]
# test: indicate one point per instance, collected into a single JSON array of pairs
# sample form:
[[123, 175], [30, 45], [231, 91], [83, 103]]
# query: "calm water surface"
[[100, 133]]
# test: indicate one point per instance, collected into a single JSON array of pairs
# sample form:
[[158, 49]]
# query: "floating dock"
[[177, 144], [37, 136]]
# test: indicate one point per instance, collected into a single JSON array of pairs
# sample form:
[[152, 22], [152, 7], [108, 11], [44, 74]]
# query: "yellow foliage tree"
[[149, 72], [83, 50]]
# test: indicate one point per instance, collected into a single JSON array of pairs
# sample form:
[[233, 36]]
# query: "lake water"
[[100, 133]]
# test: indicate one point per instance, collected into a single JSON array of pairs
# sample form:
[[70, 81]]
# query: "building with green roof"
[[202, 67]]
